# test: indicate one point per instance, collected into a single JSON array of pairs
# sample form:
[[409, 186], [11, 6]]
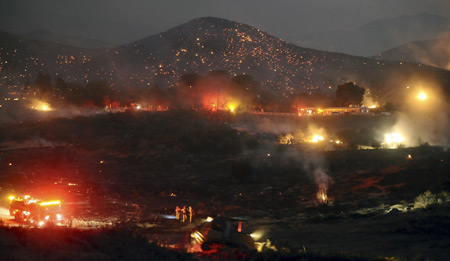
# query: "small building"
[[308, 111], [345, 110]]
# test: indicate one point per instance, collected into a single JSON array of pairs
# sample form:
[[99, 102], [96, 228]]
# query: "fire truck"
[[34, 211]]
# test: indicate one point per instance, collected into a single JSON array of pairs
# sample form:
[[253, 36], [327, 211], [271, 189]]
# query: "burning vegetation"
[[117, 168], [269, 147]]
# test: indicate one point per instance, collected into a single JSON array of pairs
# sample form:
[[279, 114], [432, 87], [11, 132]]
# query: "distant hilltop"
[[202, 45]]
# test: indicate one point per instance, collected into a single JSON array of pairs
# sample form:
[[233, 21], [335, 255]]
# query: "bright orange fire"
[[322, 196]]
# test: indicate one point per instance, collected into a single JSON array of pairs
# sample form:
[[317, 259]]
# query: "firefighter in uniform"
[[184, 213], [191, 214], [177, 212]]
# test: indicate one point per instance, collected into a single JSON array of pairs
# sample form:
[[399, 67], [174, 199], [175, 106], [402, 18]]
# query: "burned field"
[[130, 171]]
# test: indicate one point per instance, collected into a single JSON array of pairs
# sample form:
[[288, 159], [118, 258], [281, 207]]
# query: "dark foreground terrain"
[[122, 175]]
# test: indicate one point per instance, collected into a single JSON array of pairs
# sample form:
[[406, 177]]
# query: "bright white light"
[[392, 140], [316, 138], [422, 96]]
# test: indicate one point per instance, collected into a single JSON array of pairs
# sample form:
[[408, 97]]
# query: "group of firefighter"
[[182, 213]]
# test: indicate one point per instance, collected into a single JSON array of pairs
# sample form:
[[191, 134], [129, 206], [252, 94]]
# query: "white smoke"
[[314, 165], [426, 121]]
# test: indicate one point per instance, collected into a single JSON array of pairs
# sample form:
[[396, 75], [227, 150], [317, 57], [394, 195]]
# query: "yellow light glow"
[[393, 138], [11, 197], [232, 106], [48, 203], [372, 106], [258, 234], [198, 237], [317, 138], [422, 96], [41, 106]]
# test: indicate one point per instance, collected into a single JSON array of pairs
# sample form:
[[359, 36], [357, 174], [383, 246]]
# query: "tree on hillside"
[[219, 73], [158, 97], [247, 89], [300, 100], [98, 93], [74, 93], [61, 86], [187, 95], [43, 85], [349, 93], [189, 80]]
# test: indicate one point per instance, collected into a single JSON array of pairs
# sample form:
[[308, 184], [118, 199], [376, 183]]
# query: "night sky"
[[119, 21]]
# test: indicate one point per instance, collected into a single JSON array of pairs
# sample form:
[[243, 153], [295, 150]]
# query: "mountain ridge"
[[379, 35], [205, 44], [76, 41], [433, 52]]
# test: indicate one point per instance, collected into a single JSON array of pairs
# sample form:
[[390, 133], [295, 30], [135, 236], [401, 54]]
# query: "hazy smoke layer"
[[314, 165], [424, 121]]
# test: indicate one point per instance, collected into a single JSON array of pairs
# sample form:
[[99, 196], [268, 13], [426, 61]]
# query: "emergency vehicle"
[[34, 211]]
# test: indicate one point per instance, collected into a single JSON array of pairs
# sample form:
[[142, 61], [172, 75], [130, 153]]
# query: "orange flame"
[[322, 196]]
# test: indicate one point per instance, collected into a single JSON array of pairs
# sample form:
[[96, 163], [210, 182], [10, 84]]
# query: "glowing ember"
[[422, 96], [317, 138]]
